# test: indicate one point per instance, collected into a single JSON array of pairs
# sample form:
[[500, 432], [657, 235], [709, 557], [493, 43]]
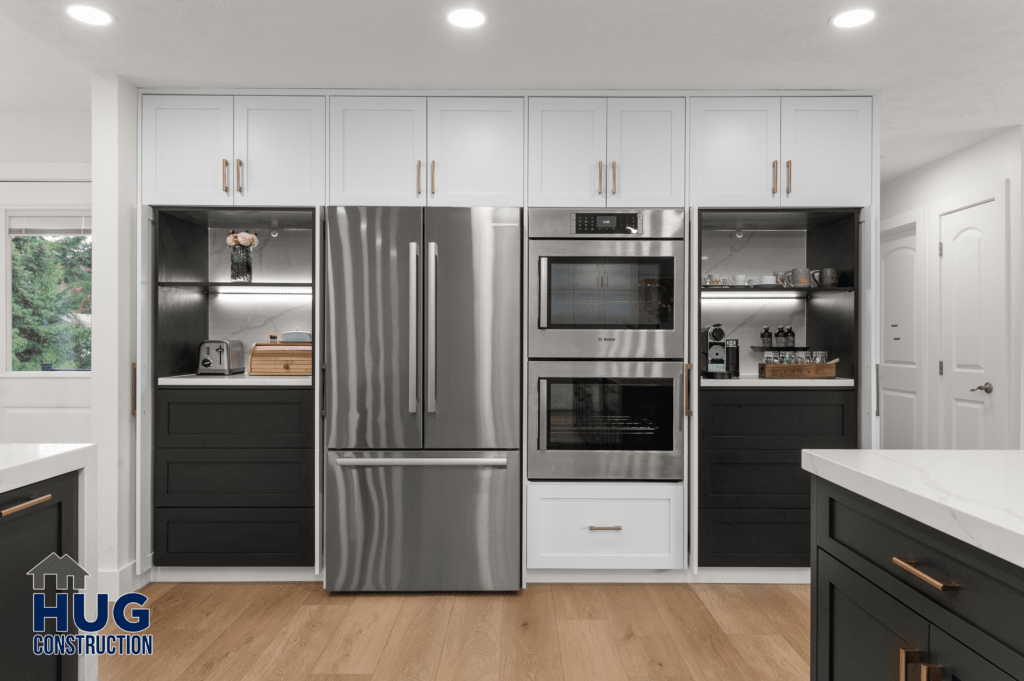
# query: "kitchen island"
[[917, 564]]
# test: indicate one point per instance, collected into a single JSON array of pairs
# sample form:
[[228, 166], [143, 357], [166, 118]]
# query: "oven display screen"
[[618, 223]]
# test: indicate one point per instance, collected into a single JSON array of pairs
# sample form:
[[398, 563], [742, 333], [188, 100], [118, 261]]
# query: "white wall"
[[998, 158], [45, 146]]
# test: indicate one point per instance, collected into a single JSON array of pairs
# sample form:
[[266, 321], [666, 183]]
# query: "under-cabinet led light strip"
[[743, 295], [263, 294]]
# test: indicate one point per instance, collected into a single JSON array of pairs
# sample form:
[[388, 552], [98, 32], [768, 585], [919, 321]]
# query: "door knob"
[[987, 388]]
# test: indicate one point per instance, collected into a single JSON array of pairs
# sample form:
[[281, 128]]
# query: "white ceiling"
[[951, 71], [36, 78]]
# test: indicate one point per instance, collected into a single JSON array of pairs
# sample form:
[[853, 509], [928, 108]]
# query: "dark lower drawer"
[[233, 477], [754, 538], [778, 419], [234, 536], [753, 478], [234, 418], [991, 591]]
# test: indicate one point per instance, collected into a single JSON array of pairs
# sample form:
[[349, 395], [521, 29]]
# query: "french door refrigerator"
[[422, 399]]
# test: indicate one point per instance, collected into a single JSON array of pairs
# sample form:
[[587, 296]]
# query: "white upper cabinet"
[[567, 151], [475, 151], [187, 150], [734, 152], [826, 151], [378, 151], [646, 152], [280, 148]]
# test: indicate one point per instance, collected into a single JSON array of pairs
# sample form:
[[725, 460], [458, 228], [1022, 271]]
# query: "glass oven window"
[[610, 293], [629, 414]]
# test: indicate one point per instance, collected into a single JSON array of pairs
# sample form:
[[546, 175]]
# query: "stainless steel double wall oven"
[[606, 344]]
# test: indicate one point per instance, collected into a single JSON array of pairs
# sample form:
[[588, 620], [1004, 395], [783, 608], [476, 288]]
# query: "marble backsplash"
[[251, 318], [743, 319], [286, 258], [755, 254]]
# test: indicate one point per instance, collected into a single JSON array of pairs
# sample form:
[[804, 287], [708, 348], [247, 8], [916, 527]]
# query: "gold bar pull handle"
[[600, 172], [27, 504], [931, 672], [910, 565], [418, 192], [775, 177], [789, 177], [613, 177], [908, 658], [596, 528], [431, 177], [238, 175], [686, 391], [224, 175]]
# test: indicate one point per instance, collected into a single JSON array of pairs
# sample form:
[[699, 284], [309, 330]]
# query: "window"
[[50, 292]]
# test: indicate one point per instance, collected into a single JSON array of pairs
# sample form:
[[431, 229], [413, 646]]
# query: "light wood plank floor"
[[547, 632]]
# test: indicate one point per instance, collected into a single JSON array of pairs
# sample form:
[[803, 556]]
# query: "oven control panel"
[[610, 223]]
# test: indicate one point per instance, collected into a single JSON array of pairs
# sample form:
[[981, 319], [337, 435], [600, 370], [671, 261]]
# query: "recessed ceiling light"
[[90, 15], [466, 18], [853, 18]]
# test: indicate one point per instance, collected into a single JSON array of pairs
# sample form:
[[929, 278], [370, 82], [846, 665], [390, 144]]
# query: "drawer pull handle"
[[910, 566], [907, 658], [28, 504], [595, 528], [931, 672]]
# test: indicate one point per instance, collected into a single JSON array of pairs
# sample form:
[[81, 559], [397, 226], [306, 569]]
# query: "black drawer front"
[[756, 478], [234, 418], [989, 598], [778, 419], [233, 477], [755, 538], [234, 536]]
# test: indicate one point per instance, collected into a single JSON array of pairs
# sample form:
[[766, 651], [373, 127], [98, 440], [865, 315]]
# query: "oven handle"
[[543, 293], [686, 393], [542, 415]]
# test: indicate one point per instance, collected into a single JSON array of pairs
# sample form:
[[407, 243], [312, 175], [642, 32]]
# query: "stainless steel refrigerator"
[[422, 399]]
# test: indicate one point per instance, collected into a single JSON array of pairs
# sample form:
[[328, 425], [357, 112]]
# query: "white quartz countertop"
[[972, 495], [237, 380], [752, 381], [24, 464]]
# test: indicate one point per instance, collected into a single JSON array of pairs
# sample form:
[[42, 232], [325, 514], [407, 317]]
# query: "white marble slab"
[[25, 464], [972, 495], [752, 381], [238, 380]]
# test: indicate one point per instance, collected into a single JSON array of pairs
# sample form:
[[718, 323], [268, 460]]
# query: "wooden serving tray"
[[796, 371], [281, 359]]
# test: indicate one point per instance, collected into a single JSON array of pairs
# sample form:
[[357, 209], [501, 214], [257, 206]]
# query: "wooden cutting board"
[[281, 359]]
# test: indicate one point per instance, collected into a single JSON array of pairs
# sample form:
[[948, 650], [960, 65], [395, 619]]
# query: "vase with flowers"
[[241, 254]]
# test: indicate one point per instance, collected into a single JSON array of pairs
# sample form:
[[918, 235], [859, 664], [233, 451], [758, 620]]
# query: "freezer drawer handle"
[[341, 461]]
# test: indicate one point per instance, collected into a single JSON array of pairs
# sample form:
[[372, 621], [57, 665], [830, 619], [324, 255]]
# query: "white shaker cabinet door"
[[280, 150], [378, 151], [568, 152], [647, 152], [734, 152], [187, 150], [475, 151], [826, 151]]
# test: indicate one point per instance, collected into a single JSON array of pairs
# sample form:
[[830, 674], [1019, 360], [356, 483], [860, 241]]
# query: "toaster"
[[224, 357]]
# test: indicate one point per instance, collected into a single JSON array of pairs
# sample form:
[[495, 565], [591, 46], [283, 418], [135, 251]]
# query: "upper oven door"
[[598, 299], [606, 421]]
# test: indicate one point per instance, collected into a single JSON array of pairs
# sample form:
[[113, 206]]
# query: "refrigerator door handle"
[[542, 415], [342, 461], [543, 293], [431, 328], [413, 331]]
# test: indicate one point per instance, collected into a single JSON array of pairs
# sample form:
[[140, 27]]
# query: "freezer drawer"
[[422, 521]]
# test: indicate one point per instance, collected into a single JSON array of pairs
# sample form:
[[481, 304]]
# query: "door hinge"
[[940, 249], [940, 368]]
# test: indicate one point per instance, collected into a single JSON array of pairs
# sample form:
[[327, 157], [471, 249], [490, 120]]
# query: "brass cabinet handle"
[[931, 672], [595, 528], [431, 177], [224, 175], [613, 177], [238, 175], [910, 566], [600, 171], [418, 178], [133, 388], [686, 391], [789, 177], [907, 658], [775, 177], [28, 504]]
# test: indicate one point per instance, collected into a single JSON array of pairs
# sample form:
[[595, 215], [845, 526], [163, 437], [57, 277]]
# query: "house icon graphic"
[[65, 568]]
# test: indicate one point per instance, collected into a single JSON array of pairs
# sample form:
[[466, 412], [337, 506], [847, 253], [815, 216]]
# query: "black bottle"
[[766, 338], [780, 338], [790, 337]]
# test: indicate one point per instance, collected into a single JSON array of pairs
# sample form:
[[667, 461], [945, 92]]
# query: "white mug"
[[739, 279], [713, 279]]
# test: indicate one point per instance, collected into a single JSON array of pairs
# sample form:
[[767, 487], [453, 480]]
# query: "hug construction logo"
[[68, 574]]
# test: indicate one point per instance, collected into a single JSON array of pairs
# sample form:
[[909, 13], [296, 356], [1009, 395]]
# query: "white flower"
[[246, 239], [232, 240]]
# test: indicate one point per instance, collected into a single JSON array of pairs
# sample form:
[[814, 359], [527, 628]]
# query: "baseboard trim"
[[234, 574], [705, 576]]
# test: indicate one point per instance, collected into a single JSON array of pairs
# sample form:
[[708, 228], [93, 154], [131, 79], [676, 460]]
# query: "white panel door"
[[900, 370], [734, 152], [187, 150], [280, 150], [647, 152], [378, 151], [568, 139], [974, 319], [475, 149], [826, 151]]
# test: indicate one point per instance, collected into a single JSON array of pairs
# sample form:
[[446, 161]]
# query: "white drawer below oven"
[[606, 526]]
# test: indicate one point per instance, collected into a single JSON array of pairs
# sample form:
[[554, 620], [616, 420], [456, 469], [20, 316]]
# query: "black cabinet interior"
[[27, 537]]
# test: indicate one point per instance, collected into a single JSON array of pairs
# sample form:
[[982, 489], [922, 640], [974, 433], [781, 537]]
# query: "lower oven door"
[[606, 421]]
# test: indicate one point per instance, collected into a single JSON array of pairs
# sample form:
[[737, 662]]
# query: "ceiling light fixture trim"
[[466, 18], [87, 14], [852, 18]]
